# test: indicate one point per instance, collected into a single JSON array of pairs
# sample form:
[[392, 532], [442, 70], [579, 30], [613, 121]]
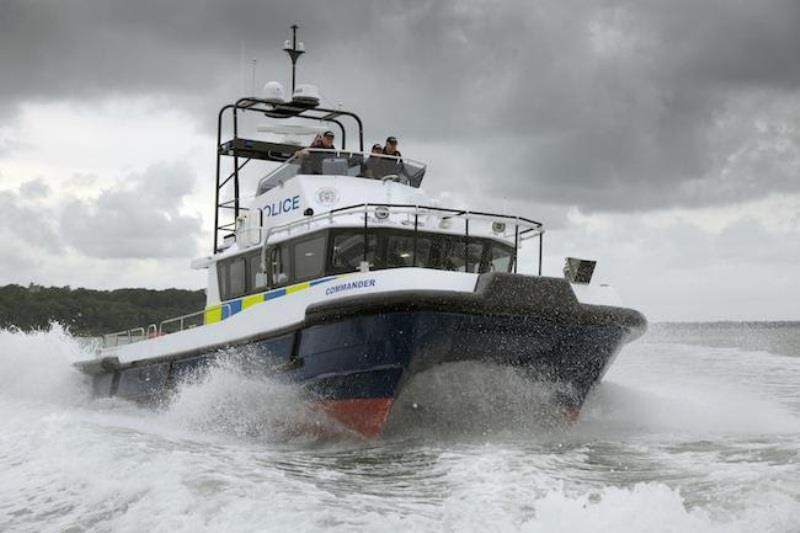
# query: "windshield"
[[342, 163]]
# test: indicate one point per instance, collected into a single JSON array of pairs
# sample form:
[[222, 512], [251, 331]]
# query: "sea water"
[[695, 428]]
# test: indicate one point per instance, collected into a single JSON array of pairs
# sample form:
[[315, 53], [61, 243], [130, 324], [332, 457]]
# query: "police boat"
[[334, 270]]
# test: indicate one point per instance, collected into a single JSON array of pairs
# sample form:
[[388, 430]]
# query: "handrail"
[[412, 169], [126, 333], [274, 110], [531, 228], [409, 209], [139, 334], [182, 319]]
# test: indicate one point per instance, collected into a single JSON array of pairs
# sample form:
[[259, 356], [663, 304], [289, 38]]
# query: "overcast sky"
[[659, 137]]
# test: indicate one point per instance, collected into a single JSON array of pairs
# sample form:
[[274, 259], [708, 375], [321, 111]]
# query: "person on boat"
[[371, 166], [310, 162], [391, 147], [324, 141], [390, 163]]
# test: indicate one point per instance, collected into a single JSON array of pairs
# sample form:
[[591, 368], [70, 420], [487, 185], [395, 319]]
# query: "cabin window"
[[253, 268], [400, 251], [231, 275], [223, 275], [279, 265], [449, 252], [237, 277], [305, 259], [348, 251], [395, 249], [500, 258], [456, 250], [309, 258]]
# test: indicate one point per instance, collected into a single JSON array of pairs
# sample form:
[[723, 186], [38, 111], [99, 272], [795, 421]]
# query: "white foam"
[[686, 439], [228, 402], [660, 388], [656, 508], [38, 366]]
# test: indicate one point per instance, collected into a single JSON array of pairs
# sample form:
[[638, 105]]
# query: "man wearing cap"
[[324, 141], [310, 162], [371, 167], [391, 147]]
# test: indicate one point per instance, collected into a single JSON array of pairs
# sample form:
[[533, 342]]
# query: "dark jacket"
[[318, 144], [395, 154]]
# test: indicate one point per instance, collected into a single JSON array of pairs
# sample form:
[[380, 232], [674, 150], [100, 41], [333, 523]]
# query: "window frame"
[[381, 242], [292, 244], [435, 257]]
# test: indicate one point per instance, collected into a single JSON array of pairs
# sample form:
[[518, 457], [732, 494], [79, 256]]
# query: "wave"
[[227, 401], [37, 366], [653, 389], [197, 462], [698, 390], [473, 399], [654, 507]]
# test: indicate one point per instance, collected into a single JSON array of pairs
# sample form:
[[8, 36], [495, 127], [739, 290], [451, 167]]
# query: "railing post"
[[516, 245], [216, 192], [541, 236], [416, 232], [235, 166], [366, 236], [466, 243]]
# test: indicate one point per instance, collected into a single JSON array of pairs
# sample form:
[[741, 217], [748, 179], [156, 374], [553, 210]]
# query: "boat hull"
[[355, 355], [371, 358]]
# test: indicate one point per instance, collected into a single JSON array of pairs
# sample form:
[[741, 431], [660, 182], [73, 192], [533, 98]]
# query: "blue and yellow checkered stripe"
[[219, 312]]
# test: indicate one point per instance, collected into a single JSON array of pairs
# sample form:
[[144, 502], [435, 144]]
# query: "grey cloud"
[[35, 189], [139, 219], [615, 105], [27, 223]]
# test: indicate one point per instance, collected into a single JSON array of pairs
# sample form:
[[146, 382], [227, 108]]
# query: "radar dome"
[[306, 94], [274, 93]]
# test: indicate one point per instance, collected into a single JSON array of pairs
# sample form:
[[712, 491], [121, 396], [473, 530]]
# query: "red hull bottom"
[[364, 416]]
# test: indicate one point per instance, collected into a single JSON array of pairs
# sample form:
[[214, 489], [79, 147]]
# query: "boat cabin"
[[342, 250], [324, 212]]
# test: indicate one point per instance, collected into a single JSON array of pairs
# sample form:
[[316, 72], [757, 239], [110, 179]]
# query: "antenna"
[[295, 50], [253, 86], [241, 71]]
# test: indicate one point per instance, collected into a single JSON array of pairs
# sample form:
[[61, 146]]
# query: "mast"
[[295, 51]]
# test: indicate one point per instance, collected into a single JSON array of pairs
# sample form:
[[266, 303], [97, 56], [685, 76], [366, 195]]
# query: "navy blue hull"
[[369, 357], [356, 355]]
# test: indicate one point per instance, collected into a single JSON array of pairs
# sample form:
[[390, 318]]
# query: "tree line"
[[87, 312]]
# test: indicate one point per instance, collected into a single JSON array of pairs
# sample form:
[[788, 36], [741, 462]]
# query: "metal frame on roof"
[[263, 150]]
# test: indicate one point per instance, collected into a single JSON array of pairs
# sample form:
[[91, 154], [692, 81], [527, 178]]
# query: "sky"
[[659, 137]]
